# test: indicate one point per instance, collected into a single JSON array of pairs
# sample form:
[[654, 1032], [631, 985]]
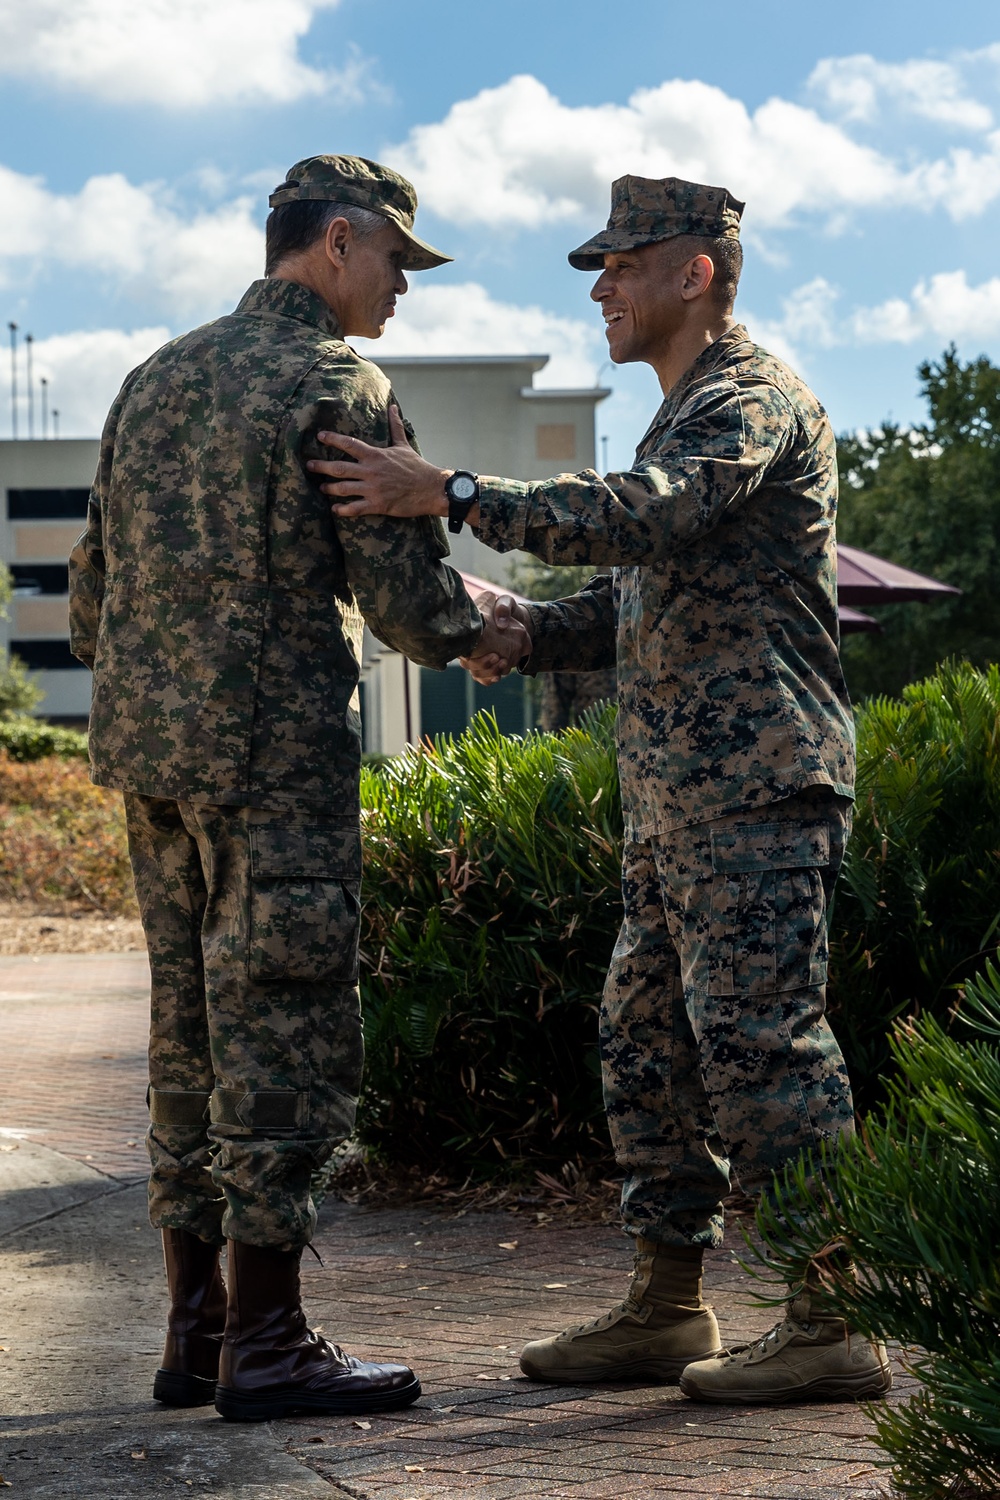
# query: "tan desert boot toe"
[[804, 1358], [660, 1328]]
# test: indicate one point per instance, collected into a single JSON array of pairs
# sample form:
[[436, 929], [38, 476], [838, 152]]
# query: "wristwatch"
[[462, 490]]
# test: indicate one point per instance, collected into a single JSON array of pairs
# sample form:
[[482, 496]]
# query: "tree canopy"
[[928, 498]]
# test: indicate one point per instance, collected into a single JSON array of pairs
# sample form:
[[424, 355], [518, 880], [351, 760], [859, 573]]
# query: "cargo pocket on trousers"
[[305, 904], [767, 930]]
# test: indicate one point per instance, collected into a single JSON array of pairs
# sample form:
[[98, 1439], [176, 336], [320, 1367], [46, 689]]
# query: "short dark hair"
[[292, 227], [726, 254]]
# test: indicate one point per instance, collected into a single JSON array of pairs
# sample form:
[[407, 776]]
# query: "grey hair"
[[293, 227]]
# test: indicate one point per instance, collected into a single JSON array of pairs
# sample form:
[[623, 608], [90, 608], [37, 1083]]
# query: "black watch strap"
[[462, 491]]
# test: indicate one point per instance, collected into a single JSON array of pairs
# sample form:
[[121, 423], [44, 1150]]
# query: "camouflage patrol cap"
[[365, 184], [647, 209]]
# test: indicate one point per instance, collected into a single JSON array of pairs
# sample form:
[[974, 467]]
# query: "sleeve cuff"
[[503, 513]]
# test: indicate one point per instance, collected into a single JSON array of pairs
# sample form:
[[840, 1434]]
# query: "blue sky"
[[140, 138]]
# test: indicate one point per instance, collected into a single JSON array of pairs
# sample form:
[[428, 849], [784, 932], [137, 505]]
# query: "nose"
[[602, 288], [402, 284]]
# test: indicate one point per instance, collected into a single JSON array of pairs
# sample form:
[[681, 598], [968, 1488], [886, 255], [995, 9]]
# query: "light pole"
[[29, 341], [55, 422], [45, 406], [604, 454], [13, 379]]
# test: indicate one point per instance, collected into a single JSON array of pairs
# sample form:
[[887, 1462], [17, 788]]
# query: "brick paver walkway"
[[455, 1295]]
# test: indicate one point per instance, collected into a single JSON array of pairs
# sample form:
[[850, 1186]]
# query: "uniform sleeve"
[[411, 599], [575, 634], [86, 561], [712, 456]]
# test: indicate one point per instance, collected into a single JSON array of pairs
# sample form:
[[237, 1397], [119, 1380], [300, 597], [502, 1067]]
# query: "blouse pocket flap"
[[770, 846], [294, 852]]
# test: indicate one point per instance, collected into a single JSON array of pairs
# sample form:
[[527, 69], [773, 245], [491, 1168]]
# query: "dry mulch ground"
[[62, 927]]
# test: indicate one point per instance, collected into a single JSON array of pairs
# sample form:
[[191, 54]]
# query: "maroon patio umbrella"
[[863, 578], [852, 621]]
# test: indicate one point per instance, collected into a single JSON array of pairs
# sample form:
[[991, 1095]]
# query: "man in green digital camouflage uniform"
[[222, 608], [737, 761]]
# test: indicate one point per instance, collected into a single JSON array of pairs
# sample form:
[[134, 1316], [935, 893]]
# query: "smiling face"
[[645, 296], [370, 277]]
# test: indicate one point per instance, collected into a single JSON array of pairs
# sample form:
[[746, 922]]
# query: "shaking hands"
[[505, 641]]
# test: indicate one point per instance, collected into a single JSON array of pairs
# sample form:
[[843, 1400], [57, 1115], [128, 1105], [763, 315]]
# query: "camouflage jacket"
[[721, 610], [219, 603]]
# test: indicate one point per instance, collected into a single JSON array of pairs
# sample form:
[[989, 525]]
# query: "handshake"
[[505, 641]]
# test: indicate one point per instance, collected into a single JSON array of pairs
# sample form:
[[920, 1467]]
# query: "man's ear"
[[699, 274], [337, 241]]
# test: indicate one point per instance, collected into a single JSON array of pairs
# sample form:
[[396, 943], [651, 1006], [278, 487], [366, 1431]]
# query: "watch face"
[[463, 487]]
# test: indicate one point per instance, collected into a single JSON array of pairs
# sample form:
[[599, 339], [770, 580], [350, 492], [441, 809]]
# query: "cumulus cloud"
[[517, 156], [944, 307], [84, 371], [859, 88], [136, 236], [179, 54], [465, 319]]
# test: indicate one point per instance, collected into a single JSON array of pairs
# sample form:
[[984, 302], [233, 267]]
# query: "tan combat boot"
[[653, 1335], [809, 1356]]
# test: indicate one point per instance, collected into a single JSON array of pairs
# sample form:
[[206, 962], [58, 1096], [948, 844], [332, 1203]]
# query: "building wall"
[[43, 504]]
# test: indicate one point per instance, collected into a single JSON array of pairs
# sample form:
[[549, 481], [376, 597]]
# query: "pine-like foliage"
[[915, 1202]]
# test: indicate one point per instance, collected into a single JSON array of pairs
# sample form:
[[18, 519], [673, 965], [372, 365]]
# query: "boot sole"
[[270, 1406], [174, 1389], [662, 1371], [844, 1388]]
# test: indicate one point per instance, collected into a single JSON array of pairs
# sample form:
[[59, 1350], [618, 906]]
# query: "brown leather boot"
[[195, 1323], [273, 1365]]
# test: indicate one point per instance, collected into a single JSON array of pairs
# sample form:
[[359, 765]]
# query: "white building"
[[473, 412]]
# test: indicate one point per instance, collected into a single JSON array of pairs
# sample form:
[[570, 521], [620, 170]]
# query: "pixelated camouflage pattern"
[[256, 1050], [647, 209], [721, 610], [716, 1052], [221, 605], [365, 184]]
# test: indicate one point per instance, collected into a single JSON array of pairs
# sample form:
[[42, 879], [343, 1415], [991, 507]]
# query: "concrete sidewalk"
[[82, 1309]]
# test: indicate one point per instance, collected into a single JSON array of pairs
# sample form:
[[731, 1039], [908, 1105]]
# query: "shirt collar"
[[719, 352], [288, 299]]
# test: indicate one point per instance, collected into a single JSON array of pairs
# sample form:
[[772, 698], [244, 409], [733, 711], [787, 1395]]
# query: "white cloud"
[[857, 88], [465, 319], [84, 371], [190, 266], [517, 156], [943, 307], [179, 54]]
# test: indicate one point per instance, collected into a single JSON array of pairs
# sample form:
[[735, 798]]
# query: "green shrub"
[[492, 898], [917, 907], [19, 692], [32, 739], [915, 1202], [491, 903]]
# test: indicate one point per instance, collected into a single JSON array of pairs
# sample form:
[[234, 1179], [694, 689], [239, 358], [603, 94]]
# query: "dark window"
[[449, 699], [47, 505], [507, 700], [40, 578], [46, 656], [445, 701]]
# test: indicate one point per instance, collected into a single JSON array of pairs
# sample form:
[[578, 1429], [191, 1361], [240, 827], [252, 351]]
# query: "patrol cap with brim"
[[647, 209], [365, 184]]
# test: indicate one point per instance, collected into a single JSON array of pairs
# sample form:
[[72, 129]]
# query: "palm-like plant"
[[914, 1202]]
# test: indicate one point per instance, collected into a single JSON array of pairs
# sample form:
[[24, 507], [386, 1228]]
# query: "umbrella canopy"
[[865, 579], [852, 621]]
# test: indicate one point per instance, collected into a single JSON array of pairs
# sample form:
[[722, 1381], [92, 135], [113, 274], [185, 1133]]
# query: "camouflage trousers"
[[255, 1049], [716, 1052]]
